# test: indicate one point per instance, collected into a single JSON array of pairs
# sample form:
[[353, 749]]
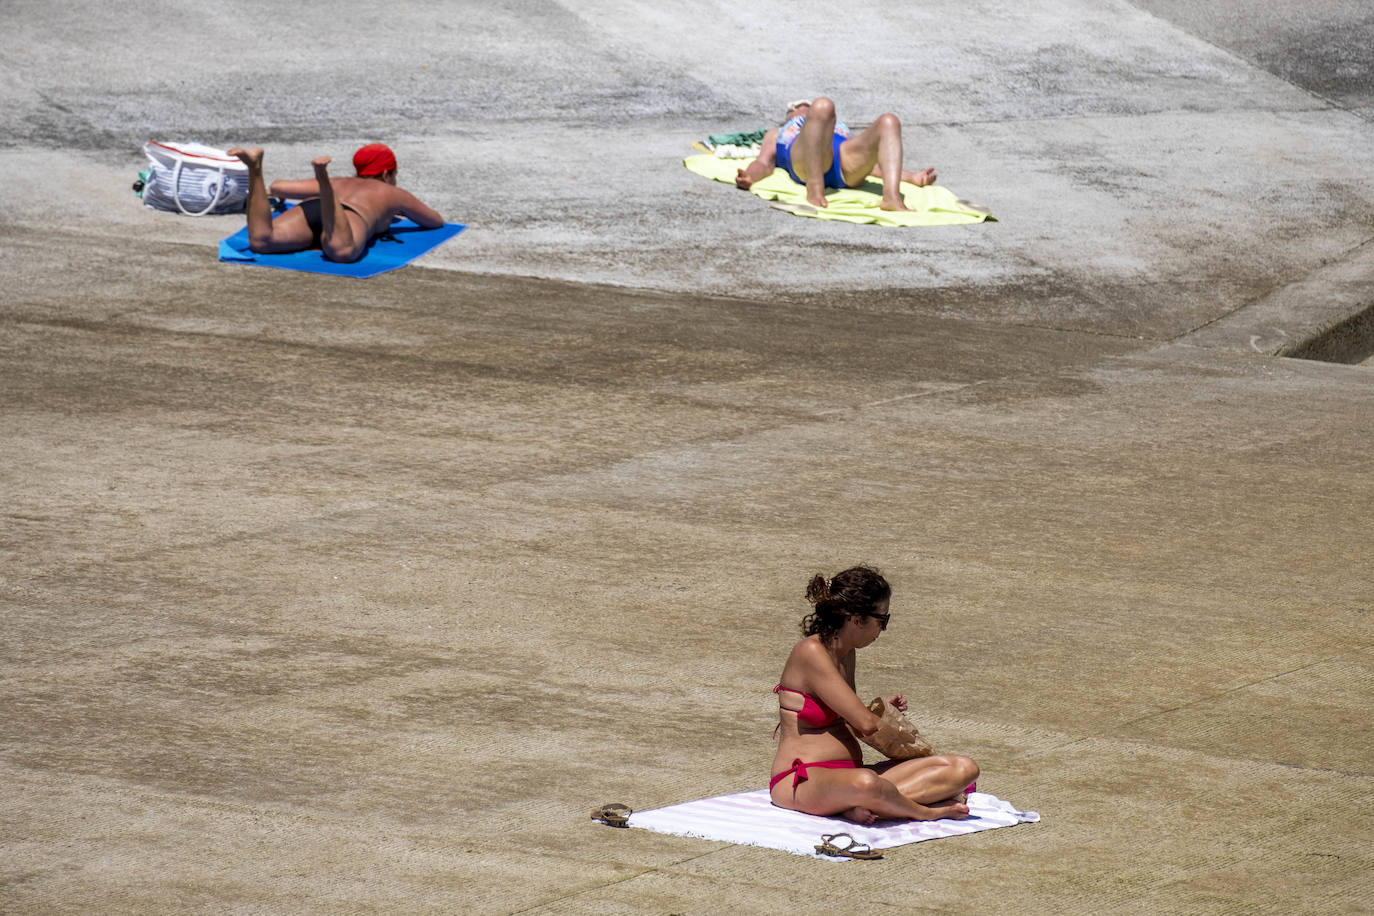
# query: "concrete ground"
[[356, 596]]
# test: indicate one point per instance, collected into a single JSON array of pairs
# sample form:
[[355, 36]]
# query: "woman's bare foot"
[[950, 809], [816, 196], [249, 157], [893, 203], [859, 815]]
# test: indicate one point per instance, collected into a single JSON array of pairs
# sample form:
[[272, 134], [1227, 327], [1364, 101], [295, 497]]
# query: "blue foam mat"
[[406, 242]]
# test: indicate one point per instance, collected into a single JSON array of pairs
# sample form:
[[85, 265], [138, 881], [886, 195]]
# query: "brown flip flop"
[[614, 815], [851, 850]]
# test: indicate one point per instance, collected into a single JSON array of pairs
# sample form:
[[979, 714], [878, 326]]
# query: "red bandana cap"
[[374, 159]]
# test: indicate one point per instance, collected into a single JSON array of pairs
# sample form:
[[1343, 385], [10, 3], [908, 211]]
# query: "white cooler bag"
[[194, 179]]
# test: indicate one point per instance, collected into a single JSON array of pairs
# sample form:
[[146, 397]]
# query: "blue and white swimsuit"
[[787, 135]]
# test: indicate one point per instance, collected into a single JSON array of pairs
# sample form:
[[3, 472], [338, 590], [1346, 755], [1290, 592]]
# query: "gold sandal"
[[852, 850], [614, 815]]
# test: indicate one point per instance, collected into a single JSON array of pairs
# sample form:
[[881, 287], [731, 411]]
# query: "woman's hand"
[[898, 702]]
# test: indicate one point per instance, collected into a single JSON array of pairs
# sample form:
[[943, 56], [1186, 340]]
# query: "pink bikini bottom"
[[800, 768]]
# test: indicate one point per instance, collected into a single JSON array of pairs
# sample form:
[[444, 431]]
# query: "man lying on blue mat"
[[339, 216], [817, 151]]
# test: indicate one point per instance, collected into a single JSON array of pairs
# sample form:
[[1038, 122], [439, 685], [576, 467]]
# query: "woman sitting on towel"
[[819, 767]]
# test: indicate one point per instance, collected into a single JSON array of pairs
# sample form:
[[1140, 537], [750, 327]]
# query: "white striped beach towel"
[[751, 819]]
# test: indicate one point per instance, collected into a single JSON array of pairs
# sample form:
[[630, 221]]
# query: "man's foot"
[[859, 815], [249, 157], [892, 199], [815, 196], [920, 179], [321, 164]]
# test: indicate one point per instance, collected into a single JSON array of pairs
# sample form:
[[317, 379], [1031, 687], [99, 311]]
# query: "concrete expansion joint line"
[[673, 868], [1326, 102], [951, 389], [1045, 751], [1055, 329], [1040, 752], [834, 411], [1284, 284], [599, 887], [1090, 332], [1240, 687], [1129, 116], [1348, 774]]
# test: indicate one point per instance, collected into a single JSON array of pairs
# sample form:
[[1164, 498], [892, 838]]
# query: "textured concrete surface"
[[329, 596]]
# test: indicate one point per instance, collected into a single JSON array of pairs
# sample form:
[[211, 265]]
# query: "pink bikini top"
[[814, 713]]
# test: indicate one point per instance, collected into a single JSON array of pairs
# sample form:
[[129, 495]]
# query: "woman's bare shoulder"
[[808, 651], [801, 663]]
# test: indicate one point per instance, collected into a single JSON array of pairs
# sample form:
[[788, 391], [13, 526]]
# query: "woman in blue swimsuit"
[[819, 767], [816, 150]]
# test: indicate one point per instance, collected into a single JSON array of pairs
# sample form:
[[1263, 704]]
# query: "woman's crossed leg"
[[863, 795]]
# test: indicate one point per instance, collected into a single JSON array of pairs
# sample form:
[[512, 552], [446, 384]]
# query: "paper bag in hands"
[[896, 737]]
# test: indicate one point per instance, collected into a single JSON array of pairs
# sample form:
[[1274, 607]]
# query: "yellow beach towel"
[[930, 206]]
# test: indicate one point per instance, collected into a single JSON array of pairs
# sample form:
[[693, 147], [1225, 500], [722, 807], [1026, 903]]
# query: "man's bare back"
[[376, 202], [350, 212]]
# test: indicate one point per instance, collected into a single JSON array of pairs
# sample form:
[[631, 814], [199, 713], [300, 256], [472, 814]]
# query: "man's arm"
[[412, 208], [298, 189], [762, 166]]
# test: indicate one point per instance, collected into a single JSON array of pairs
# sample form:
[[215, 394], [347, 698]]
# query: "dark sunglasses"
[[881, 618]]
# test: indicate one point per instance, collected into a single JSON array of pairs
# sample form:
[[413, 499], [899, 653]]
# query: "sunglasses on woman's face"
[[881, 618]]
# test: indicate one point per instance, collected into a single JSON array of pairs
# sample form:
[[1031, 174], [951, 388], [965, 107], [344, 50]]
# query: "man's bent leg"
[[266, 235], [813, 150], [880, 146], [338, 241]]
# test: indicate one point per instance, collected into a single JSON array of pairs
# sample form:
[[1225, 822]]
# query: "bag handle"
[[220, 191]]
